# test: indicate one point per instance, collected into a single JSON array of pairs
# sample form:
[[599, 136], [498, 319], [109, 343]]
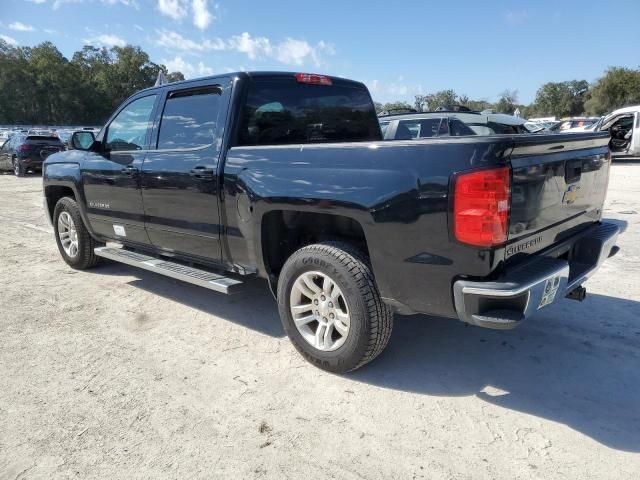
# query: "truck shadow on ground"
[[576, 364], [253, 307]]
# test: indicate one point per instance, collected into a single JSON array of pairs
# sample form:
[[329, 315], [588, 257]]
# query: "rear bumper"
[[536, 283]]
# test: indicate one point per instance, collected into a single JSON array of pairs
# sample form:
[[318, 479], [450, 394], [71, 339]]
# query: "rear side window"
[[189, 119], [281, 112]]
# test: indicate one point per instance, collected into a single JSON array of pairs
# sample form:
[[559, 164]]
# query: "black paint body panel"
[[399, 192]]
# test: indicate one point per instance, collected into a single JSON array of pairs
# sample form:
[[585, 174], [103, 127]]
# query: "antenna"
[[161, 80]]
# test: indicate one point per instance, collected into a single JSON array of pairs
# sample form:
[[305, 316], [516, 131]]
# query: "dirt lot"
[[119, 373]]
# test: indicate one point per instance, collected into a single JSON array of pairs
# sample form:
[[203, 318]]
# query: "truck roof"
[[254, 74]]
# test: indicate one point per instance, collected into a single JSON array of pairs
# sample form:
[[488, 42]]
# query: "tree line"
[[40, 86], [617, 88]]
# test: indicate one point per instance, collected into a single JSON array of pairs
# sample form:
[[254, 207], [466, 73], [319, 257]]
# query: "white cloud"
[[175, 41], [37, 1], [107, 40], [252, 47], [138, 27], [202, 17], [178, 64], [398, 87], [297, 52], [291, 51], [515, 17], [9, 40], [49, 31], [126, 3], [21, 27], [58, 3], [176, 9]]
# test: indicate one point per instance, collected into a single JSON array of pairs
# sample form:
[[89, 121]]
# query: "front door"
[[179, 177], [111, 177]]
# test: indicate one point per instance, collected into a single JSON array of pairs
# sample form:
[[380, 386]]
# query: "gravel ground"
[[119, 373]]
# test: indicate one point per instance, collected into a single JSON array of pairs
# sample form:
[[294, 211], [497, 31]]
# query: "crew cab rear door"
[[558, 187], [180, 173]]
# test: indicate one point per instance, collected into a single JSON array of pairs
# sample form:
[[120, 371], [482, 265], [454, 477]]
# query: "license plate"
[[551, 287]]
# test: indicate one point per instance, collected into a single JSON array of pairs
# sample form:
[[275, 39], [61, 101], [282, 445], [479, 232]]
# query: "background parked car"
[[449, 123], [624, 127], [22, 153], [571, 123]]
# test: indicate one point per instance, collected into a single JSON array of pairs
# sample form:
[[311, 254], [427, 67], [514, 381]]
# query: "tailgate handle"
[[573, 171]]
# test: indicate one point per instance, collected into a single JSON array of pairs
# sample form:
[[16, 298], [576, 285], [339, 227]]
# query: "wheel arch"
[[284, 231]]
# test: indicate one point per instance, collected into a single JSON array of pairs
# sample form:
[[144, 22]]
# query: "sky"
[[399, 49]]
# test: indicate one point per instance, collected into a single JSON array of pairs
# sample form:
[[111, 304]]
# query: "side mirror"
[[81, 140]]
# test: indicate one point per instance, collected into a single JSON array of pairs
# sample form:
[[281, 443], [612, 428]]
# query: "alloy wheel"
[[319, 310]]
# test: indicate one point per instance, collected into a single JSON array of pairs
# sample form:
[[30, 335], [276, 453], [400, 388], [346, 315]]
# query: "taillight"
[[313, 78], [24, 147], [481, 207]]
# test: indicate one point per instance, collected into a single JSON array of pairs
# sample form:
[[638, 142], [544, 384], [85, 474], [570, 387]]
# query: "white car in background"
[[624, 126]]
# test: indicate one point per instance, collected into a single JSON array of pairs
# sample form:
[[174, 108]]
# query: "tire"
[[19, 169], [84, 256], [370, 319]]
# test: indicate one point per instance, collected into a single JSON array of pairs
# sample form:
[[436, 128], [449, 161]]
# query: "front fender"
[[57, 173]]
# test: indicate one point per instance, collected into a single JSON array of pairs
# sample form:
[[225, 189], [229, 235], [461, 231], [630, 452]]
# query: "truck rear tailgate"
[[558, 188]]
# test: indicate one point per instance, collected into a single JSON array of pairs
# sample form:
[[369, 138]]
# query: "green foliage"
[[562, 99], [38, 85], [429, 102], [391, 106], [618, 88], [507, 102]]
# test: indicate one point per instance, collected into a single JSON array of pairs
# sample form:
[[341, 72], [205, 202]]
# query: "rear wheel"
[[75, 243], [331, 308], [18, 168]]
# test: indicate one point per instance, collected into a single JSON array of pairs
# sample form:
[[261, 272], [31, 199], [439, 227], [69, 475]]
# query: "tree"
[[561, 99], [507, 103], [618, 88], [395, 106], [38, 85], [420, 103], [443, 98]]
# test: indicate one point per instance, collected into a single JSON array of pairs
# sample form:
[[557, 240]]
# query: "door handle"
[[130, 170], [202, 172]]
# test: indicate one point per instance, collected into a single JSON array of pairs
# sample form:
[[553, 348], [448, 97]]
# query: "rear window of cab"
[[283, 111]]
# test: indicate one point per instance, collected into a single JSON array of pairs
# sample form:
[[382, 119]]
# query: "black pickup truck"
[[286, 177]]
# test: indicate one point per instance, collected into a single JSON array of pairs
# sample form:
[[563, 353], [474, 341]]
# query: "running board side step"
[[203, 278]]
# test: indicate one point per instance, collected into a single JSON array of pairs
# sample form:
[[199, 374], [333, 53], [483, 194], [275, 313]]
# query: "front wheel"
[[331, 308], [75, 243]]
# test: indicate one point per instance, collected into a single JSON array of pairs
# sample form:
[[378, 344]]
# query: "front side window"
[[128, 131], [189, 119], [281, 112]]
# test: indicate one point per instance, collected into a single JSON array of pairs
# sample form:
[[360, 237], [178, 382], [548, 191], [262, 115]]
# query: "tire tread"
[[379, 314]]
